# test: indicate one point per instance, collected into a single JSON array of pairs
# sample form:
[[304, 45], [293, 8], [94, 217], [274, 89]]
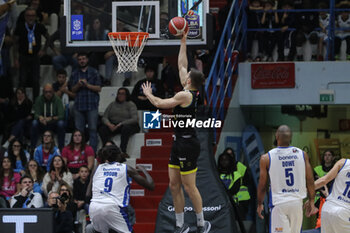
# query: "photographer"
[[26, 198], [63, 221]]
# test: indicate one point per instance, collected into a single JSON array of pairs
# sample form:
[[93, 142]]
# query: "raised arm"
[[146, 181], [181, 98], [264, 167], [182, 60], [330, 175]]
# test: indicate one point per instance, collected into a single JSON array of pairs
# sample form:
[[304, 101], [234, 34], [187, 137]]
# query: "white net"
[[128, 50]]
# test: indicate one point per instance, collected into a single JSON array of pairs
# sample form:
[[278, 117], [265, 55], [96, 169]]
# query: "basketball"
[[177, 25]]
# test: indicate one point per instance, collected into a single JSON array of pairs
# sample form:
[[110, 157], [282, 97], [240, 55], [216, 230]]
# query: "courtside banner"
[[217, 208], [273, 75]]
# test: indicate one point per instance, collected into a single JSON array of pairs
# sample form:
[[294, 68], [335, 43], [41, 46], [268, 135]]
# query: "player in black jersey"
[[186, 147]]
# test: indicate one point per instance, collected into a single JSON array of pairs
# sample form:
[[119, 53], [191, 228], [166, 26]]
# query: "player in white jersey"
[[335, 214], [290, 175], [111, 192]]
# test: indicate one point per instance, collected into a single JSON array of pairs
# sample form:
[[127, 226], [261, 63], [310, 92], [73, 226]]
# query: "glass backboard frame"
[[154, 38], [155, 4]]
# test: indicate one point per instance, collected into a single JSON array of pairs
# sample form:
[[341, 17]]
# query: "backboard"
[[87, 22]]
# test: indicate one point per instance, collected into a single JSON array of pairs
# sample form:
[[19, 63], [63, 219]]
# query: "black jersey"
[[184, 115]]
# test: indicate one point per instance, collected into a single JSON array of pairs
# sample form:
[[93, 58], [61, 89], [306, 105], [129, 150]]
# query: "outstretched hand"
[[147, 88], [310, 208]]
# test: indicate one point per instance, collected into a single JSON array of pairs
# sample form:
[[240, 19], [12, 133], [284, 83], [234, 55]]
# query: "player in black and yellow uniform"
[[186, 147]]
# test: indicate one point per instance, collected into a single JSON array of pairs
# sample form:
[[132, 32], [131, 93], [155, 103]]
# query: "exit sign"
[[327, 96]]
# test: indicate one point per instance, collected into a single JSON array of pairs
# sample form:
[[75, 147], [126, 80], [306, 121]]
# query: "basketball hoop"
[[128, 47]]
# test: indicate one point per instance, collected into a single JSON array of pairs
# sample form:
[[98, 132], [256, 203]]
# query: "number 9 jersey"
[[287, 175], [111, 184]]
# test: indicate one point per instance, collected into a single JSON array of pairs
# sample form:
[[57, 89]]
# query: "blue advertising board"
[[77, 27]]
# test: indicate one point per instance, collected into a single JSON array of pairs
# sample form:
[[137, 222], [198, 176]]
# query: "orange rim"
[[132, 35]]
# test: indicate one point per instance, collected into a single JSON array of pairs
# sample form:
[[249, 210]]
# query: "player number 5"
[[289, 176]]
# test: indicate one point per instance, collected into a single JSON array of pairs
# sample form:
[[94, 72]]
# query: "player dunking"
[[290, 175], [335, 213], [110, 192], [186, 147]]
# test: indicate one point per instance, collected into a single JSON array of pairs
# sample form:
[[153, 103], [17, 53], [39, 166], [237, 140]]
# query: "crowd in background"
[[289, 31]]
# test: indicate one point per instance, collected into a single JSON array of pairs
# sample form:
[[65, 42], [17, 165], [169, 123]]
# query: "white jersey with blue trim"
[[111, 184], [340, 193], [287, 175]]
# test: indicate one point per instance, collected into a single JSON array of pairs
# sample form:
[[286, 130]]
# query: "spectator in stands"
[[67, 96], [36, 173], [120, 117], [62, 59], [27, 198], [58, 173], [307, 22], [61, 87], [9, 182], [342, 22], [40, 15], [18, 155], [51, 201], [63, 221], [234, 175], [19, 116], [48, 115], [6, 93], [28, 49], [66, 190], [77, 153], [80, 187], [269, 20], [324, 19], [96, 31], [137, 95], [254, 21], [44, 153], [85, 82], [286, 41]]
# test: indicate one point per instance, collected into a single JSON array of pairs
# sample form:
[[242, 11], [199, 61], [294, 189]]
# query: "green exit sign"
[[327, 96]]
